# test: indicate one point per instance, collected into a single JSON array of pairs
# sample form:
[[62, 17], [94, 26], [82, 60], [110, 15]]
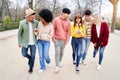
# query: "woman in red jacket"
[[99, 37]]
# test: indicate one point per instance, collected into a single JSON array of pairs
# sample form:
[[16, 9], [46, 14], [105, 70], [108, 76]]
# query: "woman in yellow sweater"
[[78, 32]]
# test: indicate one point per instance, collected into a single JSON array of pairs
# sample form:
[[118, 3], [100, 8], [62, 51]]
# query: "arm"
[[72, 30], [93, 33], [20, 32], [84, 31], [51, 32], [68, 34], [105, 36], [54, 25]]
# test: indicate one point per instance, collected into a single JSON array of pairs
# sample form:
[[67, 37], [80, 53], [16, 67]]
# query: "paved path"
[[14, 67]]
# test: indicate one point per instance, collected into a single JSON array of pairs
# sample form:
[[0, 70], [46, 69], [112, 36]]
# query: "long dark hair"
[[79, 24]]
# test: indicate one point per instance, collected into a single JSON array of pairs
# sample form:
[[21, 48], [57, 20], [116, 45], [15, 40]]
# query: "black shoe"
[[74, 62], [30, 70]]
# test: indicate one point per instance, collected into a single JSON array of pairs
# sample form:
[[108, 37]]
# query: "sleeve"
[[72, 30], [51, 32], [20, 32], [92, 34], [68, 34], [84, 31], [106, 34], [54, 25]]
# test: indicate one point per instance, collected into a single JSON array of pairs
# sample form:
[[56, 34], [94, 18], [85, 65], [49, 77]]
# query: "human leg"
[[32, 53], [41, 54]]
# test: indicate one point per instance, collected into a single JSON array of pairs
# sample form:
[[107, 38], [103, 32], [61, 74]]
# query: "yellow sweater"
[[75, 29]]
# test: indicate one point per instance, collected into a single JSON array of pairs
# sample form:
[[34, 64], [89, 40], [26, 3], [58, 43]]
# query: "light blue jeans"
[[101, 51], [86, 44], [43, 50]]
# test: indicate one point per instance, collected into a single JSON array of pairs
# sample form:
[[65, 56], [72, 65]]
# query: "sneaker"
[[93, 59], [60, 64], [41, 71], [30, 70], [57, 68], [74, 62], [80, 61], [77, 69], [84, 62], [98, 67]]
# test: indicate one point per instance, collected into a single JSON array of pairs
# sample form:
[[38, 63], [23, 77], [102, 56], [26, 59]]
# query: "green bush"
[[117, 26], [9, 26], [7, 19]]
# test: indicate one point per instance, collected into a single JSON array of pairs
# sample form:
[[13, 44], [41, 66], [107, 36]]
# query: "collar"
[[27, 21]]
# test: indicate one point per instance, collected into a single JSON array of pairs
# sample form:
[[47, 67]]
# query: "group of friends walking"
[[33, 33]]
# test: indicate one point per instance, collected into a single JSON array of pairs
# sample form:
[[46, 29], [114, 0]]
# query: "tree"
[[30, 4], [3, 11], [115, 4]]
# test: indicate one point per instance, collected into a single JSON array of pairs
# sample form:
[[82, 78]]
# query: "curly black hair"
[[46, 14], [87, 12]]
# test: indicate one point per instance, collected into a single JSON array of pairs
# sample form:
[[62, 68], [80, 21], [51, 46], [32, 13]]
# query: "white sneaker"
[[93, 59], [56, 69], [60, 64], [80, 61], [77, 70], [41, 71], [98, 67], [74, 62], [84, 62]]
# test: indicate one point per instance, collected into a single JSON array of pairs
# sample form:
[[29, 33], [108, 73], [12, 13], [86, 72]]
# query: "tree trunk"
[[114, 17], [3, 12], [30, 4]]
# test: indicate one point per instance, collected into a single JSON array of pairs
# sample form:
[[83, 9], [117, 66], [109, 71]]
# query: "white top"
[[98, 30], [31, 40], [88, 29], [45, 32]]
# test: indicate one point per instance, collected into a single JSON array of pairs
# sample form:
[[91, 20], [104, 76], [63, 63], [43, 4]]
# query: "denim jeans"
[[43, 50], [59, 50], [30, 56], [74, 45], [86, 44], [79, 51], [101, 51]]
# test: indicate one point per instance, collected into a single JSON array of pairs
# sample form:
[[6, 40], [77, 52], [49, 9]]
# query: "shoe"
[[98, 67], [93, 59], [77, 69], [74, 62], [30, 70], [84, 62], [41, 71], [57, 69], [60, 64], [80, 61]]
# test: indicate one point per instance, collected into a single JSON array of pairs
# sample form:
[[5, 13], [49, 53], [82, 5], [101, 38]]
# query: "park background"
[[12, 11]]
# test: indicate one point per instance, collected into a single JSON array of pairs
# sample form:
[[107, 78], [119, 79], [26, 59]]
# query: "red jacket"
[[104, 35]]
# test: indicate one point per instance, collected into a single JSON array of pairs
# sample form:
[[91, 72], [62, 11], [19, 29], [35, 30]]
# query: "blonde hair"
[[97, 19]]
